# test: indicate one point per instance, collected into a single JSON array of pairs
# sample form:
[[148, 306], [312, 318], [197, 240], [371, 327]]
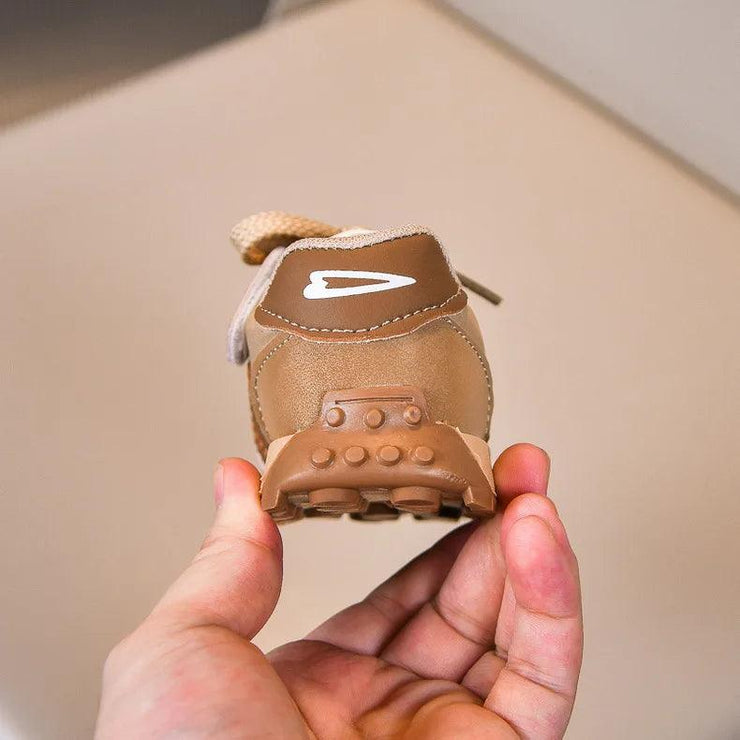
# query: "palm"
[[480, 636], [340, 693]]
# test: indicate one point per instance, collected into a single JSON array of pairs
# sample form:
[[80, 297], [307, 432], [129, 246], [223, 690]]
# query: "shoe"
[[369, 387]]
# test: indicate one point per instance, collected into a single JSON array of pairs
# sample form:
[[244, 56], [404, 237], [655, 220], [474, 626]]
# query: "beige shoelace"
[[256, 236]]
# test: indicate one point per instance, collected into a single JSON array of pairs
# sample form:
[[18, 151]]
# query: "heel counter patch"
[[334, 289]]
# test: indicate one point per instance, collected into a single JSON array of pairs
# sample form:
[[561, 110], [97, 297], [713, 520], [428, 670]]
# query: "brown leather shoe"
[[368, 381]]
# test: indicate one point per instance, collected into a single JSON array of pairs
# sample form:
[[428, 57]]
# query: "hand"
[[478, 637]]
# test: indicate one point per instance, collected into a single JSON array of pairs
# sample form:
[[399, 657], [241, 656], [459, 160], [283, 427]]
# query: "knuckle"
[[221, 540]]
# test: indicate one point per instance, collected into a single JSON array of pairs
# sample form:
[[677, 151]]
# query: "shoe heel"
[[374, 453]]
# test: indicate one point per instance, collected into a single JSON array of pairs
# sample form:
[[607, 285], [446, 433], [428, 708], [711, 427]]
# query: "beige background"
[[616, 347]]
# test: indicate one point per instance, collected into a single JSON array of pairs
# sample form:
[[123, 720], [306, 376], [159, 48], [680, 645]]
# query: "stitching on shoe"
[[261, 366], [364, 329], [486, 372]]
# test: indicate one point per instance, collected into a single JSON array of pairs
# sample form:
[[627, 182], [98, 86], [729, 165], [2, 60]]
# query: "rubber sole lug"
[[374, 453]]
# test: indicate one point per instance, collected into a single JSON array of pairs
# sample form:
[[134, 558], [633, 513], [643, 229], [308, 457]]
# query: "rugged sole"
[[375, 453]]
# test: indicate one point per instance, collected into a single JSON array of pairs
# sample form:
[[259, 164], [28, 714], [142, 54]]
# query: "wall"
[[671, 67]]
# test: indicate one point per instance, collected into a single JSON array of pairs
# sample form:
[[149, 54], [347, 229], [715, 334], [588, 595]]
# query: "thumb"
[[234, 581]]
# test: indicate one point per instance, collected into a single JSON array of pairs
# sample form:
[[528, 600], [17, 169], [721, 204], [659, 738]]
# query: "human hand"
[[479, 636]]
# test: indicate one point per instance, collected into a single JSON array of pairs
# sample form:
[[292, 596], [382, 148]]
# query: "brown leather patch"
[[418, 287]]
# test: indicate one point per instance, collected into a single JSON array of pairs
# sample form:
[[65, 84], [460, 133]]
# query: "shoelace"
[[479, 289]]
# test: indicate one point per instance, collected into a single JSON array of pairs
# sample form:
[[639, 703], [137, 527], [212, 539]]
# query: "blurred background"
[[54, 52], [668, 68], [582, 158]]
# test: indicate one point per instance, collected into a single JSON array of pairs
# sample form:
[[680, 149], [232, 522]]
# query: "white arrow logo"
[[317, 287]]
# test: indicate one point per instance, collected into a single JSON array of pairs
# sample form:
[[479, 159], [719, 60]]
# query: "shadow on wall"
[[51, 53]]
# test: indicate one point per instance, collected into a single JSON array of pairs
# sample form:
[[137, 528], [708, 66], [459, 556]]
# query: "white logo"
[[317, 287]]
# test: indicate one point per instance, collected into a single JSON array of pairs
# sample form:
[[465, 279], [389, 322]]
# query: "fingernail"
[[218, 484], [561, 542], [549, 528], [542, 524]]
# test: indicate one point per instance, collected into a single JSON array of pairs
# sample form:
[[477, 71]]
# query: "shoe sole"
[[375, 453]]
